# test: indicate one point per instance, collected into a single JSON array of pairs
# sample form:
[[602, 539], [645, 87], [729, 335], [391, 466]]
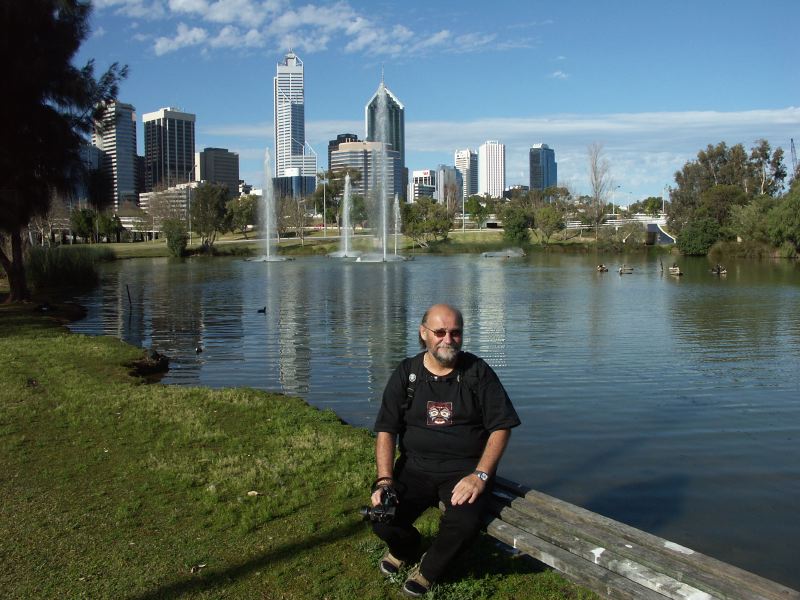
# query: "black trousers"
[[459, 525]]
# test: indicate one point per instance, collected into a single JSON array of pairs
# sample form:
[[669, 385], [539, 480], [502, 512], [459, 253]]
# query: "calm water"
[[672, 404]]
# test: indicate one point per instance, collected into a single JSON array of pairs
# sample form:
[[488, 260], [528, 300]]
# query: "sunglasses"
[[440, 333]]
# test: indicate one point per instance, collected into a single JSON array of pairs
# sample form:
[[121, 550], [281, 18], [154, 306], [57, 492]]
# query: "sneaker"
[[416, 585], [390, 565]]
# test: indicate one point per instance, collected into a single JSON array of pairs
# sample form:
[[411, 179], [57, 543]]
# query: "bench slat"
[[683, 564], [601, 554], [584, 573]]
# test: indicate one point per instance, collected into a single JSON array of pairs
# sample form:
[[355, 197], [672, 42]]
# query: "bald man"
[[453, 419]]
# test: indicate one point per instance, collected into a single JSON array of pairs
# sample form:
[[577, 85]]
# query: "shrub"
[[698, 236], [177, 236]]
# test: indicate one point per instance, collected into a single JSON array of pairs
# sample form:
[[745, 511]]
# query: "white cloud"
[[310, 27], [559, 75], [184, 36], [138, 9], [188, 6]]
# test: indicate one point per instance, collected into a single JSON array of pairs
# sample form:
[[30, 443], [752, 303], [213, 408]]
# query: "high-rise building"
[[218, 165], [492, 168], [449, 187], [384, 121], [423, 183], [340, 139], [543, 167], [115, 135], [466, 162], [367, 157], [291, 150], [168, 148]]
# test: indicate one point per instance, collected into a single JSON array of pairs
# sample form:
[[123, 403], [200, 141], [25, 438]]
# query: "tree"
[[599, 183], [43, 121], [477, 209], [517, 220], [82, 222], [698, 236], [108, 225], [358, 210], [652, 205], [548, 220], [716, 203], [242, 212], [760, 173], [208, 212], [293, 213], [749, 222], [768, 168], [783, 221], [177, 236], [329, 195], [425, 221]]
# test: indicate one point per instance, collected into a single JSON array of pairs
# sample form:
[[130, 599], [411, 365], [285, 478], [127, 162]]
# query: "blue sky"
[[653, 81]]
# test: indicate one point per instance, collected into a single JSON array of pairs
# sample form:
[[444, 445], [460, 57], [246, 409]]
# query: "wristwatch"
[[482, 475]]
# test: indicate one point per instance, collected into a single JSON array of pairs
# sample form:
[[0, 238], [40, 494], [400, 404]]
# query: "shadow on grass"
[[210, 580]]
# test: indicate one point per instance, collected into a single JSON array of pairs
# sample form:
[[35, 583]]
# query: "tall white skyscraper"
[[492, 168], [115, 135], [466, 161], [291, 150]]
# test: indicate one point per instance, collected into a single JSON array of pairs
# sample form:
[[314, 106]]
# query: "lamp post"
[[324, 209]]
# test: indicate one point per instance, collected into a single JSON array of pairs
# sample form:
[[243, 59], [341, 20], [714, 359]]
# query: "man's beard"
[[446, 356]]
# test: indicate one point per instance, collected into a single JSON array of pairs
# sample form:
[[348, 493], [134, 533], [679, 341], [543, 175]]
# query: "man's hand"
[[467, 490], [376, 496]]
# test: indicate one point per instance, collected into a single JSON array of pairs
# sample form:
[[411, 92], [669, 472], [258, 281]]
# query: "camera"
[[383, 512]]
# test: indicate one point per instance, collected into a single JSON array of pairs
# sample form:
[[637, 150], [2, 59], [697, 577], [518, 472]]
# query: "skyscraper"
[[391, 130], [367, 157], [492, 168], [115, 135], [291, 150], [168, 148], [218, 165], [423, 183], [449, 187], [543, 167], [340, 139], [466, 161]]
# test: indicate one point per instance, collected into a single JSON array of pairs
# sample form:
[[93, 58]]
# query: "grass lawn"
[[114, 488]]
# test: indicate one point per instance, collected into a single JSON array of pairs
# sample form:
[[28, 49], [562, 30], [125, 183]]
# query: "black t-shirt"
[[450, 418]]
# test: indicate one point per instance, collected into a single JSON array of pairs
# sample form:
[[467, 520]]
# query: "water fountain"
[[344, 244], [267, 215]]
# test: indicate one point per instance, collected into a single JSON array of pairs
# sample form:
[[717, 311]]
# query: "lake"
[[669, 403]]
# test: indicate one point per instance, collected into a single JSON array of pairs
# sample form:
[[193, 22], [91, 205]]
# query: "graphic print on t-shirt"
[[440, 414]]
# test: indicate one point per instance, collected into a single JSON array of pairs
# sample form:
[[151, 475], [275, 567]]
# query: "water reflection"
[[669, 403]]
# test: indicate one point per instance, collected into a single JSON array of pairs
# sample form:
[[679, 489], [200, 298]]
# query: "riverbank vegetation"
[[113, 488], [728, 196]]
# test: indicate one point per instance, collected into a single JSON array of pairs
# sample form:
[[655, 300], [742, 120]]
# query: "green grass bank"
[[114, 488]]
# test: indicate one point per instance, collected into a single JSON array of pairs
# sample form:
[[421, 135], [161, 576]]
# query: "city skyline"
[[653, 84]]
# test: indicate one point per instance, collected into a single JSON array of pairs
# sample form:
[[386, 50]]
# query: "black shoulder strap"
[[415, 367], [468, 372]]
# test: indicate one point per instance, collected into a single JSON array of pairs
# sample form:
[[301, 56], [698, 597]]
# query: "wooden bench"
[[614, 559]]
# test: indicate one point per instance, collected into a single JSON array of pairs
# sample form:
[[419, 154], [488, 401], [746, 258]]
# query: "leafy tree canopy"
[[53, 105], [425, 221], [208, 212]]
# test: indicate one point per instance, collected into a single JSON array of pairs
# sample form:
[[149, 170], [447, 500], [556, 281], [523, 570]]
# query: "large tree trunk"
[[15, 269]]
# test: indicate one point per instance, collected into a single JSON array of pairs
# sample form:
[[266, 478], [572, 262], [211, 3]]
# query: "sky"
[[652, 81]]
